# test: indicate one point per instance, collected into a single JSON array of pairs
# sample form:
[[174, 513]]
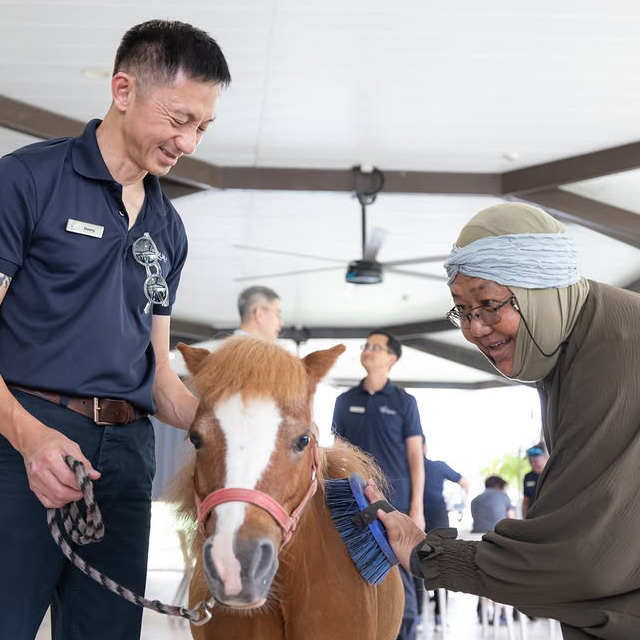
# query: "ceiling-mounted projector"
[[364, 272]]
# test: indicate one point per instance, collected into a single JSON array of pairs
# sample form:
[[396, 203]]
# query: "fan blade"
[[415, 274], [374, 242], [400, 263], [287, 253], [299, 272]]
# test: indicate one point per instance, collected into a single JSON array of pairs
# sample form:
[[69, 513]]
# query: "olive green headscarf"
[[550, 313]]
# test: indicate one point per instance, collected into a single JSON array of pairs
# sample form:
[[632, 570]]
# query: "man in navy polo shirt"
[[383, 420], [91, 252], [538, 457]]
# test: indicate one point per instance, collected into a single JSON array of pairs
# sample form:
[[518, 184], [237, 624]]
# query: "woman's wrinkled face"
[[497, 341]]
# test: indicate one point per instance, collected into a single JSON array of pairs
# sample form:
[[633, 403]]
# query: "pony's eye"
[[196, 440], [300, 443]]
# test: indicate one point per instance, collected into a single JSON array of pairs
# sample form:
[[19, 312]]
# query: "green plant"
[[511, 467]]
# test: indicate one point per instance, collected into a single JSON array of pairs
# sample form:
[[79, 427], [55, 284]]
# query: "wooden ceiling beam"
[[614, 222], [191, 332], [33, 121], [573, 169], [342, 180], [426, 384]]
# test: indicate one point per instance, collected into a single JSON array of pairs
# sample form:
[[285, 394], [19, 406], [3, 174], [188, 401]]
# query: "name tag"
[[354, 409], [85, 228]]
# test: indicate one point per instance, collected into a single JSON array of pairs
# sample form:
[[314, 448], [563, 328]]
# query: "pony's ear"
[[318, 364], [193, 356]]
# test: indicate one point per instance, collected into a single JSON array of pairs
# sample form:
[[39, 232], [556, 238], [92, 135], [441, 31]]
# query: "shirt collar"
[[88, 162], [386, 390]]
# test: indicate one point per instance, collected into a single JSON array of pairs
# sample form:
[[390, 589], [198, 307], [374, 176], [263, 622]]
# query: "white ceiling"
[[409, 85]]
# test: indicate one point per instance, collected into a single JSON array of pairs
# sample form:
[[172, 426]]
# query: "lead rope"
[[92, 530]]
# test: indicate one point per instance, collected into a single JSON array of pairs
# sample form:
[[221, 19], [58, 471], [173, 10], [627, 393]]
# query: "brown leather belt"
[[103, 411]]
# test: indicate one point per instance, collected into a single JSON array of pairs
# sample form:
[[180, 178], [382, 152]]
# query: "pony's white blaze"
[[250, 432]]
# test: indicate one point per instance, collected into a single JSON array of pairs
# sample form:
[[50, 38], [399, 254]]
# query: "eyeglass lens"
[[373, 347], [485, 314]]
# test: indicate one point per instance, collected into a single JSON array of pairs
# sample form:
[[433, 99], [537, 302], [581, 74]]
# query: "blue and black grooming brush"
[[356, 521]]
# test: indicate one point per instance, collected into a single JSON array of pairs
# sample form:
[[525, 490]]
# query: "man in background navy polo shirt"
[[538, 457], [91, 252], [436, 515], [383, 420]]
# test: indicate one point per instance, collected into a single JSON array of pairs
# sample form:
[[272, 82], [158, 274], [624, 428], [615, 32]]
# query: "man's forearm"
[[177, 406]]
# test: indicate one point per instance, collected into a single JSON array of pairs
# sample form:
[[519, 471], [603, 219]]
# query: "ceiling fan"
[[368, 183]]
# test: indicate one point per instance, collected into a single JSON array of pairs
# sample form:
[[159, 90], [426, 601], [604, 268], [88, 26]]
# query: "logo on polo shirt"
[[385, 409]]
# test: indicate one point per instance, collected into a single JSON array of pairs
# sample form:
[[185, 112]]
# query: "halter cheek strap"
[[288, 523]]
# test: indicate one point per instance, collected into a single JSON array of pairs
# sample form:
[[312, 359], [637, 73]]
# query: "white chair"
[[183, 588], [554, 629], [441, 594], [499, 610]]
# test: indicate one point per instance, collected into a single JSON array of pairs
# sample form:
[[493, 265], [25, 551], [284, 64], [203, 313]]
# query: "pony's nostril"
[[263, 569]]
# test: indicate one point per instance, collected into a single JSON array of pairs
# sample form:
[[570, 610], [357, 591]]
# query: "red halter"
[[287, 522]]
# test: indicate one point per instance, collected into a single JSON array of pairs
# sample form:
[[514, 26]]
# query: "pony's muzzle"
[[240, 579]]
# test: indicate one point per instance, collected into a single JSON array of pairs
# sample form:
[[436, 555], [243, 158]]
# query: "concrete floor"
[[166, 562]]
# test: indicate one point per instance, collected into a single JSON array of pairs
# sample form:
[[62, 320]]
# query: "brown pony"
[[256, 470]]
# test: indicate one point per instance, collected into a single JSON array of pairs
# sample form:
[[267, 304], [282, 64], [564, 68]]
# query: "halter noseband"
[[288, 523]]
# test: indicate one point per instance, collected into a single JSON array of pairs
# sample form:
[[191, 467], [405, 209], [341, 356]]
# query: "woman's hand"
[[402, 531]]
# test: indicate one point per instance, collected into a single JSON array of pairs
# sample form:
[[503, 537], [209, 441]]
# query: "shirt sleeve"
[[18, 205], [412, 425], [450, 474], [177, 263]]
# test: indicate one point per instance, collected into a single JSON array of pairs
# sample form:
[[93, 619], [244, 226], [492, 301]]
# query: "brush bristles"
[[363, 548]]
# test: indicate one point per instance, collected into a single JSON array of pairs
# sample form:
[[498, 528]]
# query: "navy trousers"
[[35, 574], [409, 627]]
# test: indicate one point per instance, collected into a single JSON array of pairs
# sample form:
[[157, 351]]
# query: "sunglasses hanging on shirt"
[[155, 287]]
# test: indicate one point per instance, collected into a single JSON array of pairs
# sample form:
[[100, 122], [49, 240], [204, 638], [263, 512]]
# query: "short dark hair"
[[495, 482], [249, 297], [392, 342], [156, 50]]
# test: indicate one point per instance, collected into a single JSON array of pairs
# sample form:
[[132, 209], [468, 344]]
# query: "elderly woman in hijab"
[[576, 558]]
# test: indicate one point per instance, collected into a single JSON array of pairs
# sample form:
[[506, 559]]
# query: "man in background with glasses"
[[91, 252], [260, 315], [383, 420]]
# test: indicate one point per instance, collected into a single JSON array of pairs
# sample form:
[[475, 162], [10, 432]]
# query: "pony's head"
[[256, 458]]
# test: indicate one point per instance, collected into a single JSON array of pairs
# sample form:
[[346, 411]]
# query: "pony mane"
[[256, 368], [343, 459]]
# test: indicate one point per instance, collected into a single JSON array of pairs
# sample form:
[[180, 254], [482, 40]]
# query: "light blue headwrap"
[[528, 260]]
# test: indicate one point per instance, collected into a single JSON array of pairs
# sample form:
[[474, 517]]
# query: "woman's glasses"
[[155, 287], [485, 314]]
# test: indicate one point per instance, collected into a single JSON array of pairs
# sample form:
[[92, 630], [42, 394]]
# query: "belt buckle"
[[96, 414]]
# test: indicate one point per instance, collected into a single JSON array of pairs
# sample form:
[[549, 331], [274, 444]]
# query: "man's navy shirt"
[[72, 320], [530, 483], [435, 473], [379, 424]]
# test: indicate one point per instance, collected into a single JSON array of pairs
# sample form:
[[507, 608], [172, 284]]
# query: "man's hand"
[[402, 531], [49, 476]]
